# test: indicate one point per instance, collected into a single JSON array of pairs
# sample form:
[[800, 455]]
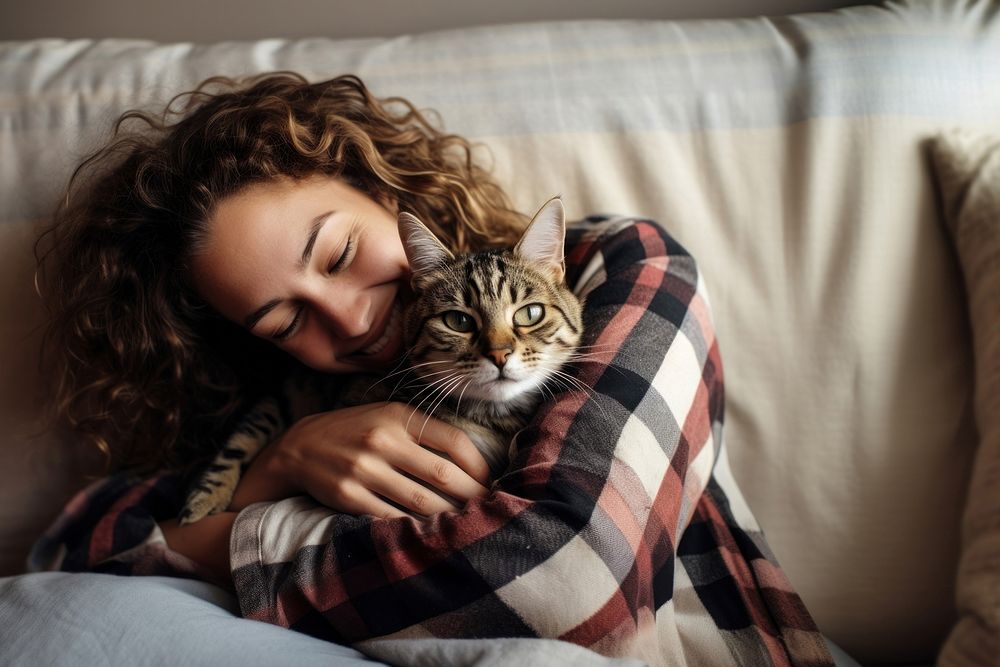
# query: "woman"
[[268, 212], [259, 164]]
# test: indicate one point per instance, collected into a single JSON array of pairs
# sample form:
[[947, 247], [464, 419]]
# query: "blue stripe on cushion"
[[573, 77]]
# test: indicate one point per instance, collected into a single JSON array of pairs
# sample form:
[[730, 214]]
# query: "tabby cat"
[[485, 334]]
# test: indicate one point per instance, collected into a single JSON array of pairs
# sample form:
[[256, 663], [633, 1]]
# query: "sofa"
[[796, 157]]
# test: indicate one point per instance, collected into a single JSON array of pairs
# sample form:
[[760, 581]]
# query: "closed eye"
[[287, 332], [342, 260], [334, 268]]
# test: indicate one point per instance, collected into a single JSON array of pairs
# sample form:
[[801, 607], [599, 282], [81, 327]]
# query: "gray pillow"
[[60, 618]]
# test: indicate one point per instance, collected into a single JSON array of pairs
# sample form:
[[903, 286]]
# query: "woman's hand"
[[351, 459]]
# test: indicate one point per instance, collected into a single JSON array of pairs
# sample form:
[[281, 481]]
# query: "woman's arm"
[[206, 542], [348, 458], [338, 458], [126, 525]]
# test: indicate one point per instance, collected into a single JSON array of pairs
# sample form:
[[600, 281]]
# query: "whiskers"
[[598, 354], [436, 392], [405, 373], [564, 380], [557, 379]]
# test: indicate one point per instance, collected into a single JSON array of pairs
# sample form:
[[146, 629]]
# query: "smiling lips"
[[390, 332]]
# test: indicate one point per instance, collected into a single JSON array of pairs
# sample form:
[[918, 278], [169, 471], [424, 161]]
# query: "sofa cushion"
[[967, 165]]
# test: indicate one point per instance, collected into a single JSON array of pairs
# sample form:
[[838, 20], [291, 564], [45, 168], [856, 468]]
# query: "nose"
[[499, 356], [346, 312]]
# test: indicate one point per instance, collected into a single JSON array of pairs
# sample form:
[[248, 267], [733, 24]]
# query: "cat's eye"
[[458, 321], [530, 315]]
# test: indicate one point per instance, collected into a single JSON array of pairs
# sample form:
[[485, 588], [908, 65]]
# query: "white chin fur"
[[501, 391]]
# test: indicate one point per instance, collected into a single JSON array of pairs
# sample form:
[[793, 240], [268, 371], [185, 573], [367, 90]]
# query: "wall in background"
[[214, 20]]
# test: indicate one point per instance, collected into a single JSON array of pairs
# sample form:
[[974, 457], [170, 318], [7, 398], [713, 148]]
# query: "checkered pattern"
[[618, 527]]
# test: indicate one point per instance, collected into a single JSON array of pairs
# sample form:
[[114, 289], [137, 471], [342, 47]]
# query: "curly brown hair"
[[143, 369]]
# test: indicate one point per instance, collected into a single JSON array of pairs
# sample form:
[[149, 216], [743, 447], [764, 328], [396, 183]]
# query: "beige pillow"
[[968, 173]]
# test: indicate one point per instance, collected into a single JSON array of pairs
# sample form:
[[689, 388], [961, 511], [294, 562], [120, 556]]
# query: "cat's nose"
[[499, 356]]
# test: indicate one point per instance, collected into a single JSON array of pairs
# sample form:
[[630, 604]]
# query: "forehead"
[[275, 202], [275, 215], [250, 215]]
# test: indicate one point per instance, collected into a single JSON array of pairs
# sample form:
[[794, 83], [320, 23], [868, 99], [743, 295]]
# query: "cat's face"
[[493, 325]]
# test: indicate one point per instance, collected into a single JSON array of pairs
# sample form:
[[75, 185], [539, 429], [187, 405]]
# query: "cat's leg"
[[213, 490]]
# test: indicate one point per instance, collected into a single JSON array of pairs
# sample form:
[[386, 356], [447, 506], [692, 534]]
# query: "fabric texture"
[[608, 530], [967, 166]]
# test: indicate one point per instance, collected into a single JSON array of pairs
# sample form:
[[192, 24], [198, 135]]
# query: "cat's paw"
[[211, 495]]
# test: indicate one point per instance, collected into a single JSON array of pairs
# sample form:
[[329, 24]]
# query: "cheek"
[[435, 342]]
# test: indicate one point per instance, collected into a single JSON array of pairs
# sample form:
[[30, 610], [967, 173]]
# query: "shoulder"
[[607, 243], [597, 231]]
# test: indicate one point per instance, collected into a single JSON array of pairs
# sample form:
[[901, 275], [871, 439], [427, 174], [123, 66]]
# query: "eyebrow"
[[256, 316], [314, 229]]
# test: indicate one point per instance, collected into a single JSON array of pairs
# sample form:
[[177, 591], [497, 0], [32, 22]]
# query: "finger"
[[359, 500], [377, 508], [439, 472], [451, 440], [409, 494]]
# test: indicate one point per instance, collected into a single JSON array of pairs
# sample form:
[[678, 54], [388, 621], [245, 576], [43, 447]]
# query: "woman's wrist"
[[206, 542], [263, 481]]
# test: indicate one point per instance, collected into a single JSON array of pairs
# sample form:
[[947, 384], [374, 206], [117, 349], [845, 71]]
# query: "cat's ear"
[[423, 250], [543, 240]]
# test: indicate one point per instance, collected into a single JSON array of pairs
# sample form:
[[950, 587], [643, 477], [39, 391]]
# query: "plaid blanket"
[[618, 527]]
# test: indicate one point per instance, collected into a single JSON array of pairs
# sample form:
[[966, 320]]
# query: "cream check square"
[[575, 576]]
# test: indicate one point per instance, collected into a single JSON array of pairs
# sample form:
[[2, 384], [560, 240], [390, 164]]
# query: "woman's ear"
[[424, 251]]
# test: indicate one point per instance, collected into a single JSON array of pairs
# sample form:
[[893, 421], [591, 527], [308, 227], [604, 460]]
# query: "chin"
[[501, 391]]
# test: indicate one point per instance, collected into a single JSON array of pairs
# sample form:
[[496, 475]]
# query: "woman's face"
[[315, 266]]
